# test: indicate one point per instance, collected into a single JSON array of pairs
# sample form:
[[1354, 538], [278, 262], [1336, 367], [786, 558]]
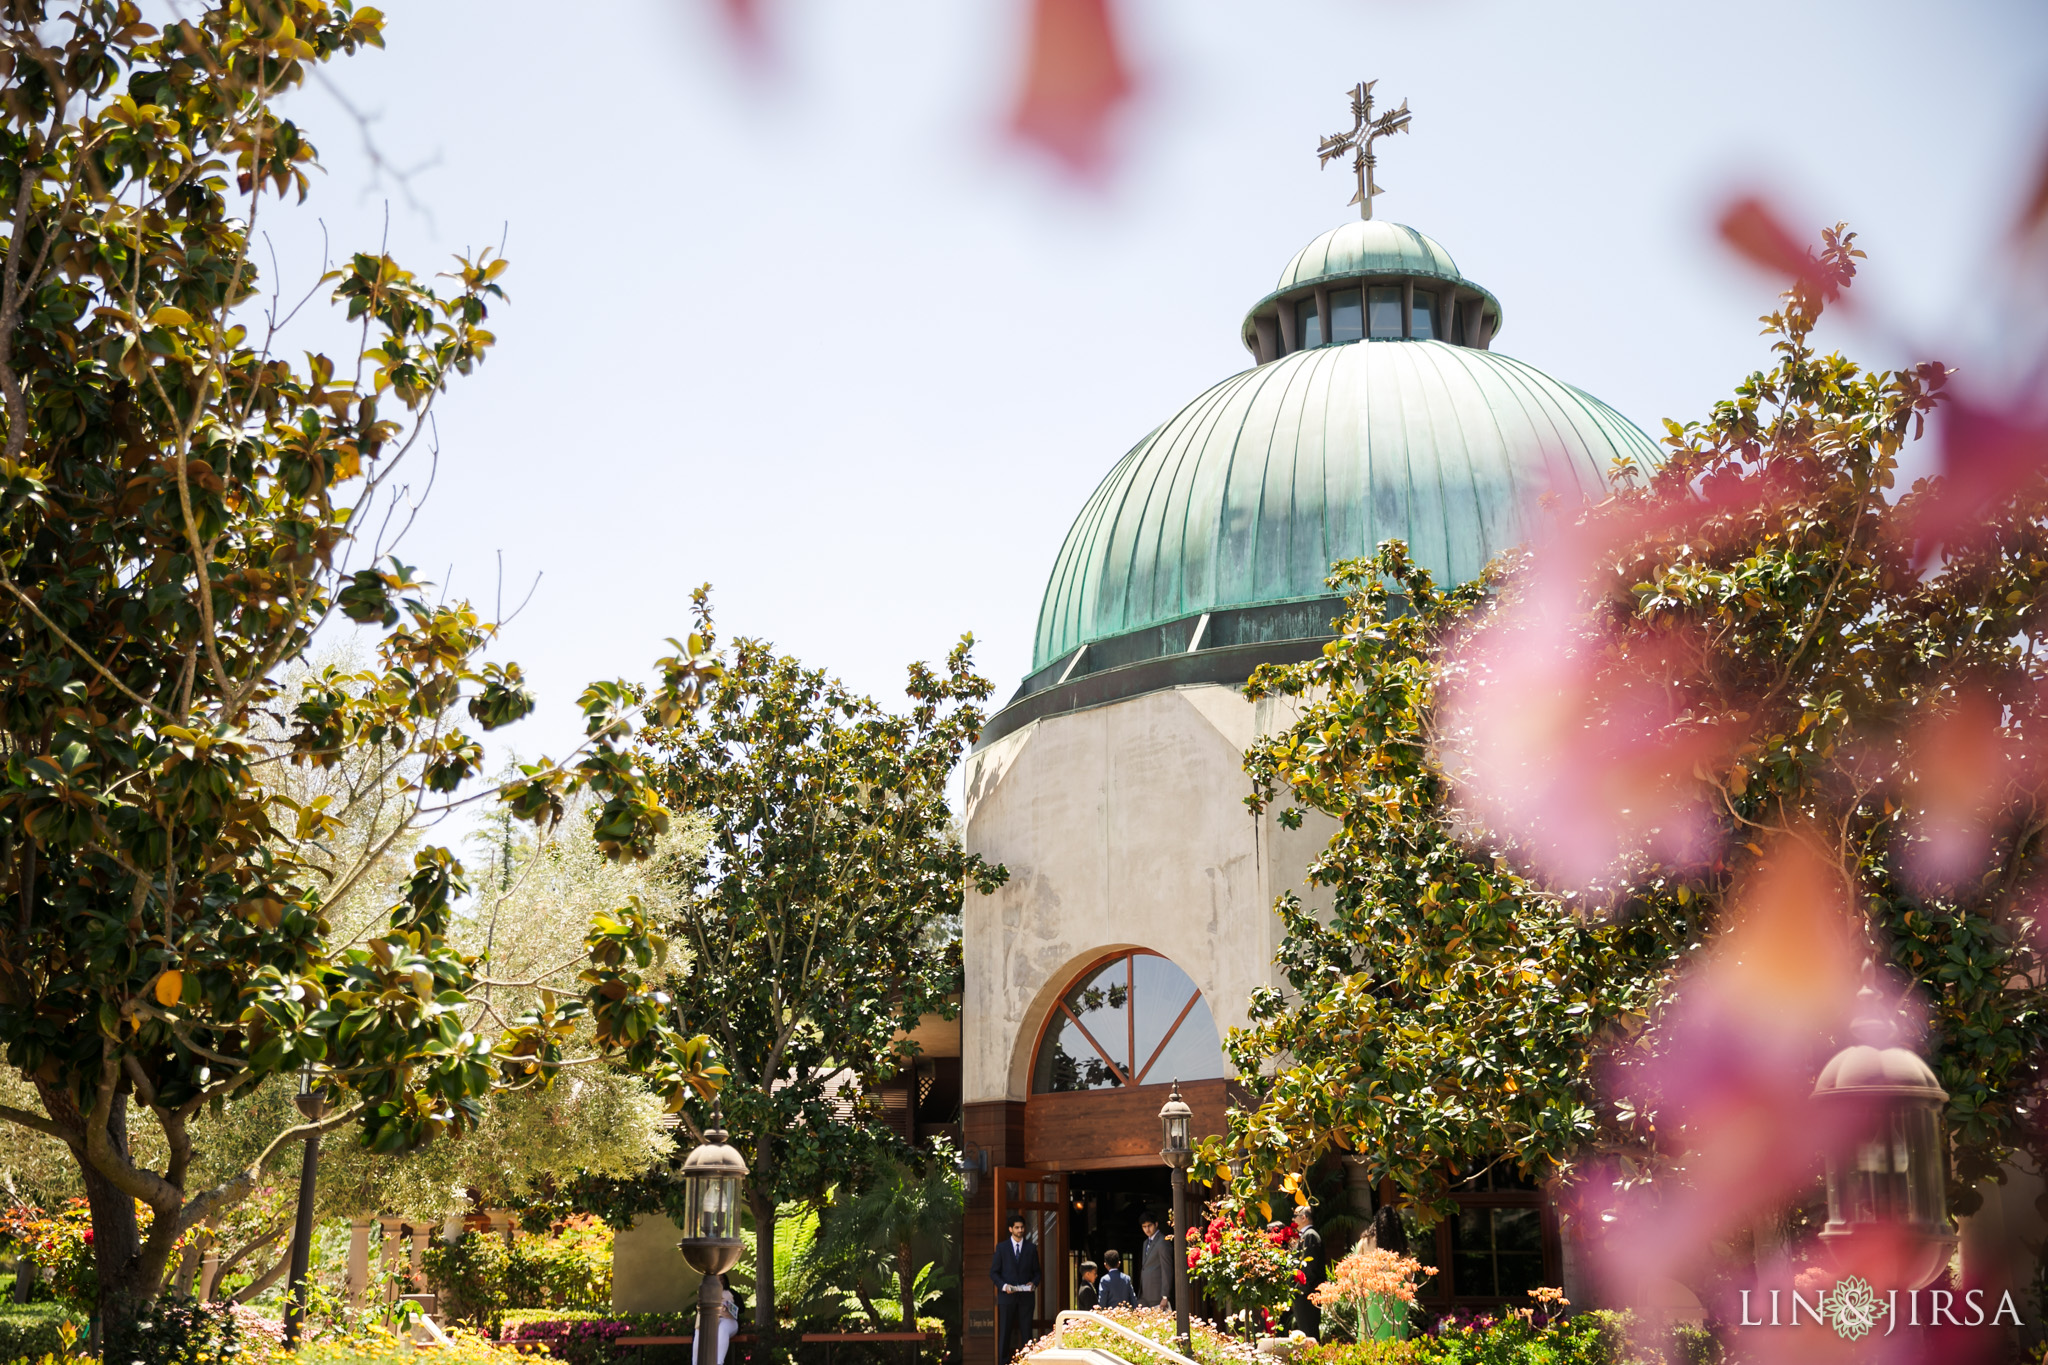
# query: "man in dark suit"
[[1014, 1271], [1308, 1318], [1155, 1265]]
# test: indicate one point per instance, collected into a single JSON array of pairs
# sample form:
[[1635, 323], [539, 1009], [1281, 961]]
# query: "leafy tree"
[[181, 510], [818, 921], [877, 1229], [1449, 1010], [1751, 643]]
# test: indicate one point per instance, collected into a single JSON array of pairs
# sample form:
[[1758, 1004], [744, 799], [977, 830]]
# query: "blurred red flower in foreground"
[[1730, 1084], [1959, 769], [1580, 751], [1074, 79]]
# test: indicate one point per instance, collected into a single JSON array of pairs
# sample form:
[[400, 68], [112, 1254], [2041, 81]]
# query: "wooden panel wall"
[[997, 1127], [1086, 1130]]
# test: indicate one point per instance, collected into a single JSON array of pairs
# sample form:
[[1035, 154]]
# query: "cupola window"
[[1306, 321], [1422, 319], [1386, 312], [1347, 321]]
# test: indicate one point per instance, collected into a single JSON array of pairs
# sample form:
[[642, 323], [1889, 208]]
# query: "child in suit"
[[1114, 1289]]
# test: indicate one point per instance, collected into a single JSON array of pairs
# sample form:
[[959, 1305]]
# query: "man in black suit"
[[1015, 1273], [1308, 1318]]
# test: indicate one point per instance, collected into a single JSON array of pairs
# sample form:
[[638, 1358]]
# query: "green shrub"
[[31, 1329], [479, 1278], [1583, 1339], [571, 1270], [177, 1331], [469, 1276], [1692, 1344]]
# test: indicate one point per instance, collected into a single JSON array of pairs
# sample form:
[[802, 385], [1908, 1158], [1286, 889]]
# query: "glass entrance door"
[[1041, 1197]]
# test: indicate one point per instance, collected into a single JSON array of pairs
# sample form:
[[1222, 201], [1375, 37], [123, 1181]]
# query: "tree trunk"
[[764, 1255], [116, 1254], [130, 1270], [265, 1280], [905, 1289], [188, 1267]]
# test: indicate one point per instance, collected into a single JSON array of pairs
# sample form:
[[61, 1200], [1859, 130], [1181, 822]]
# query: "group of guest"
[[1108, 1286], [1016, 1271]]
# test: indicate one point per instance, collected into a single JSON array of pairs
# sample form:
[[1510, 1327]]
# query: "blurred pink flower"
[[1074, 79], [1959, 770], [1987, 452], [1581, 749], [1731, 1080]]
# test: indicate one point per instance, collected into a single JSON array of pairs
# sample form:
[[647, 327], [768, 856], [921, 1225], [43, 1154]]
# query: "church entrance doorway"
[[1105, 1210]]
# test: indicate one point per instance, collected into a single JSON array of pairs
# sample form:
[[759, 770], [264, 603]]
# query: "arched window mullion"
[[1108, 1060], [1194, 999], [1130, 1016]]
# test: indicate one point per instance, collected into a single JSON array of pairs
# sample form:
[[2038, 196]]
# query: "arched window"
[[1135, 1019]]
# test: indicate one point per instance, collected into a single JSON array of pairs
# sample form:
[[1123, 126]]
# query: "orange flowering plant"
[[1375, 1288]]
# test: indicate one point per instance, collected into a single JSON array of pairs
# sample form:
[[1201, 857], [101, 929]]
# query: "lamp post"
[[711, 1225], [312, 1103], [1886, 1168], [1176, 1121]]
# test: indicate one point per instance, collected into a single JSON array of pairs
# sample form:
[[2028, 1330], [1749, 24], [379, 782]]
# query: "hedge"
[[30, 1329]]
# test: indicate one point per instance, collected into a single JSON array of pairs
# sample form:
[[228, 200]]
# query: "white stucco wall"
[[1121, 826]]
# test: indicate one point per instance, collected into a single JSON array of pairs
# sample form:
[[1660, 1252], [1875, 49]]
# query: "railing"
[[1059, 1333]]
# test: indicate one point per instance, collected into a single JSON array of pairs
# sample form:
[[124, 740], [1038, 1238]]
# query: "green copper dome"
[[1250, 493]]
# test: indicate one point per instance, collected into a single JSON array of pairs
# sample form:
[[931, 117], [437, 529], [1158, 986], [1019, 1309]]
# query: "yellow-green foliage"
[[384, 1348]]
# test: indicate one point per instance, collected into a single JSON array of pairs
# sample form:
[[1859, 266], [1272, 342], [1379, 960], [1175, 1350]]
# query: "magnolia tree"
[[181, 509], [1618, 826], [823, 920]]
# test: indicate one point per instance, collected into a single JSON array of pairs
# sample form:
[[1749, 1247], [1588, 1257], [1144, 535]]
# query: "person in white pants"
[[728, 1318]]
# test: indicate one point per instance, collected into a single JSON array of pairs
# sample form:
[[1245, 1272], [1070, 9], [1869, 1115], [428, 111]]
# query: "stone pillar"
[[451, 1227], [392, 1253], [503, 1222], [359, 1260], [209, 1271], [649, 1274], [1358, 1187], [420, 1233]]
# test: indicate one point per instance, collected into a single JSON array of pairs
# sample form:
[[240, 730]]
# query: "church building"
[[1138, 917]]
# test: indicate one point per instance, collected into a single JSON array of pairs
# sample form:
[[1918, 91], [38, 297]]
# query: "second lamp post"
[[1176, 1122], [711, 1226]]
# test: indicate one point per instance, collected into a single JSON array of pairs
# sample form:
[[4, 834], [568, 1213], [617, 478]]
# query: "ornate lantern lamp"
[[1886, 1171], [711, 1225], [1176, 1124]]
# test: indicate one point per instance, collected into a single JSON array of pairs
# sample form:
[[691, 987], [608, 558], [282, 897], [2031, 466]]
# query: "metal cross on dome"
[[1364, 128]]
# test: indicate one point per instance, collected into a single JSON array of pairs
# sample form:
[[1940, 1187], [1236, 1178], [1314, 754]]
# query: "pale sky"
[[818, 335]]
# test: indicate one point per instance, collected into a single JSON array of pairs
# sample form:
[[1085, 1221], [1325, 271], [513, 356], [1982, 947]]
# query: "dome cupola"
[[1370, 281], [1377, 410]]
